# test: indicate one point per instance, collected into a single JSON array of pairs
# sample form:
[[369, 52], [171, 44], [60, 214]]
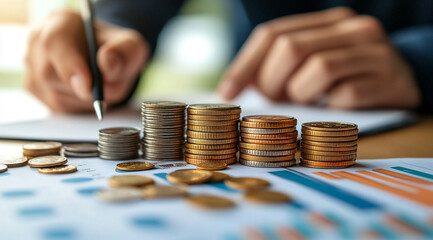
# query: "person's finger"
[[244, 68], [324, 69], [291, 49]]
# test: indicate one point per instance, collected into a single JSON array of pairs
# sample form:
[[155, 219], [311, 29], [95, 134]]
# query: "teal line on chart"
[[385, 231], [219, 185], [414, 172], [303, 227], [343, 228], [428, 231], [269, 232]]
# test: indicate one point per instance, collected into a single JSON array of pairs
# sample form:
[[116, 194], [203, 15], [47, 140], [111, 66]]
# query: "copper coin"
[[325, 153], [198, 161], [210, 147], [270, 142], [268, 147], [328, 158], [329, 133], [329, 144], [329, 149], [270, 136], [266, 159], [330, 139], [329, 126], [211, 152]]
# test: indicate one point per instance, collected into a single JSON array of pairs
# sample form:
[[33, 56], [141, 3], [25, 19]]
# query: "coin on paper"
[[135, 166], [211, 202], [3, 168], [265, 196], [63, 169], [219, 177], [47, 161], [212, 166], [160, 191], [13, 161], [247, 183], [119, 195], [189, 176], [130, 181]]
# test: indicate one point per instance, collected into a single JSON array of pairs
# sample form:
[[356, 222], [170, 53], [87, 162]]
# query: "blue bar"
[[325, 188], [414, 172]]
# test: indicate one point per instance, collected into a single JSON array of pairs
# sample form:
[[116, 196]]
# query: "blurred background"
[[193, 49]]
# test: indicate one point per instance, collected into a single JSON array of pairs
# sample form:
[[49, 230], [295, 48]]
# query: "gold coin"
[[267, 153], [329, 144], [210, 157], [130, 181], [247, 183], [329, 149], [212, 135], [198, 161], [331, 164], [268, 147], [266, 159], [267, 130], [213, 106], [41, 146], [324, 153], [211, 166], [266, 196], [330, 139], [47, 161], [58, 169], [270, 136], [214, 117], [329, 126], [328, 158], [189, 176], [13, 161], [134, 166], [210, 147], [212, 141], [163, 104], [211, 152], [218, 177], [211, 123], [228, 128], [3, 168], [269, 118], [33, 153], [270, 142], [163, 191], [268, 124], [211, 202], [329, 133]]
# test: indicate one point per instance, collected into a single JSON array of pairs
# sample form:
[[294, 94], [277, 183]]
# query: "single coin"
[[214, 111], [329, 133], [163, 104], [267, 164], [189, 176], [163, 191], [211, 123], [135, 166], [63, 169], [247, 183], [268, 147], [213, 106], [329, 126], [211, 152], [268, 118], [330, 139], [13, 161], [266, 153], [228, 128], [130, 181], [270, 142], [268, 124], [324, 153], [330, 164], [214, 117], [210, 157], [328, 158], [270, 136], [228, 161], [38, 153], [219, 177], [119, 195], [119, 131], [81, 147], [212, 135], [267, 158], [329, 144], [267, 130], [210, 147], [47, 161], [211, 202], [212, 166], [329, 149], [266, 196], [3, 168], [42, 146], [212, 141]]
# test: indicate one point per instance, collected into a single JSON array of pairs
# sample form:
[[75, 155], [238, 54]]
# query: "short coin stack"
[[268, 141], [212, 133], [163, 130], [329, 144], [37, 149], [81, 150], [118, 143]]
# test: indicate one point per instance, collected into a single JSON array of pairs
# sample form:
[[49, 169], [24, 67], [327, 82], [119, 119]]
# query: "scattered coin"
[[58, 169], [13, 161], [266, 196], [120, 195], [3, 168], [212, 166], [135, 166], [118, 143], [219, 177], [163, 191], [189, 176], [247, 183], [211, 202], [130, 181], [47, 161], [37, 149]]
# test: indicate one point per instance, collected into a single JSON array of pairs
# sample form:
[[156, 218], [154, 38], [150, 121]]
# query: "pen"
[[87, 14]]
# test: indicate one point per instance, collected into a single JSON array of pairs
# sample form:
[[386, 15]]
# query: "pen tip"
[[98, 109]]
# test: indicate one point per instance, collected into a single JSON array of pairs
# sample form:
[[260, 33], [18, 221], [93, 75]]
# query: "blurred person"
[[354, 54]]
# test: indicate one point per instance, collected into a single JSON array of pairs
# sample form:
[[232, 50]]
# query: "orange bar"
[[320, 220], [327, 175], [255, 234], [403, 226], [403, 176], [289, 234], [418, 198]]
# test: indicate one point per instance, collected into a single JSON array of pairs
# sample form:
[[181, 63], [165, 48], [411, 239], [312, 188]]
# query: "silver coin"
[[163, 104], [81, 147], [267, 164], [122, 131], [212, 106], [268, 153], [81, 155], [120, 195]]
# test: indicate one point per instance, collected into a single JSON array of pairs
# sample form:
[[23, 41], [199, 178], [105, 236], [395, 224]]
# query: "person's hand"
[[57, 67], [333, 54]]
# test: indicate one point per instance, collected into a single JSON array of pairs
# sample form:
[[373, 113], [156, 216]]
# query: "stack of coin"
[[118, 143], [329, 144], [37, 149], [268, 141], [212, 133], [81, 150], [163, 130]]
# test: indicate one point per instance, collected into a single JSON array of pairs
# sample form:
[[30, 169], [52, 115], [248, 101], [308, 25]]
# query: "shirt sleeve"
[[416, 45]]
